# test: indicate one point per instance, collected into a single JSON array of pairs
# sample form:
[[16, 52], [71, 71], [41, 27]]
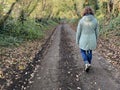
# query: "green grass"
[[75, 20], [7, 41]]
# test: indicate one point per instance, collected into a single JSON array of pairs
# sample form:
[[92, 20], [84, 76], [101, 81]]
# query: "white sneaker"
[[87, 67]]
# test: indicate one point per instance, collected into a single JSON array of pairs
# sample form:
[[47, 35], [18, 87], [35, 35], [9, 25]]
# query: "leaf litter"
[[14, 60]]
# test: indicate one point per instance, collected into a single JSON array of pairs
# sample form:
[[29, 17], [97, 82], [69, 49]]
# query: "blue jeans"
[[86, 55]]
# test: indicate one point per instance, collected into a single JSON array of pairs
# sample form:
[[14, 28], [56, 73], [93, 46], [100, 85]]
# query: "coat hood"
[[88, 18]]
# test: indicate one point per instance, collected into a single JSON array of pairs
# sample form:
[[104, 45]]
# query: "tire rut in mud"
[[22, 82], [69, 72]]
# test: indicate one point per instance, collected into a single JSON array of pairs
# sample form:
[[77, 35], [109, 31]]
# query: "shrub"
[[9, 41], [112, 25], [15, 32]]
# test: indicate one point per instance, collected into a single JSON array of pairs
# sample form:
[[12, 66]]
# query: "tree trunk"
[[75, 8], [115, 10], [110, 6], [6, 15], [32, 8]]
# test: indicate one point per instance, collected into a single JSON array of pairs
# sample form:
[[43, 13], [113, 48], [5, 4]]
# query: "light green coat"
[[87, 32]]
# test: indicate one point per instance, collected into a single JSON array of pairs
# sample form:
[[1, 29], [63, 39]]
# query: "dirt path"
[[62, 67]]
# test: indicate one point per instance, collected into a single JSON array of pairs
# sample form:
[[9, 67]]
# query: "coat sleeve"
[[78, 33], [97, 30]]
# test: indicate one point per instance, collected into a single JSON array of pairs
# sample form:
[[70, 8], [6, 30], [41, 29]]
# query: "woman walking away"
[[87, 35]]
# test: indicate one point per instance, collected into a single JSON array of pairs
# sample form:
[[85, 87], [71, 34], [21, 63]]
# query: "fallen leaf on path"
[[1, 74], [78, 88], [99, 89], [21, 67], [77, 76]]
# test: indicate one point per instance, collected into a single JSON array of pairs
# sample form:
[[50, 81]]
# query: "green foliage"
[[52, 23], [28, 31], [112, 25], [93, 4], [15, 32], [73, 20], [9, 40], [1, 9]]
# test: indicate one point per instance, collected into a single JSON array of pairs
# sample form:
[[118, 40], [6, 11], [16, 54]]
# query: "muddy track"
[[23, 81], [69, 71], [61, 68]]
